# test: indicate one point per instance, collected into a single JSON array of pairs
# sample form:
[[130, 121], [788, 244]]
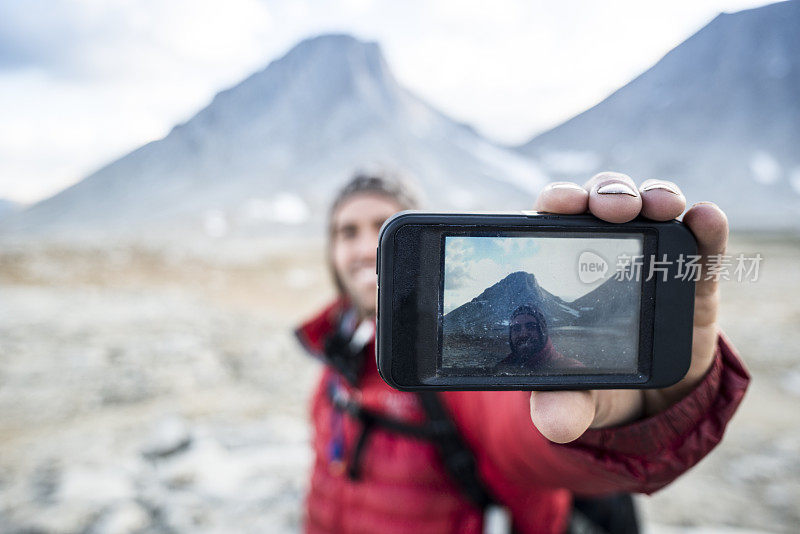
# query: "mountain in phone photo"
[[612, 301], [615, 302], [492, 308], [719, 115]]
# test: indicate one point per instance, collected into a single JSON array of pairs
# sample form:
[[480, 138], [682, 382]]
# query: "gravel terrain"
[[156, 391]]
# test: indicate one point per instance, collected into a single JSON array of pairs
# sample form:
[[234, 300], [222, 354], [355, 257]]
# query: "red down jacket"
[[403, 487]]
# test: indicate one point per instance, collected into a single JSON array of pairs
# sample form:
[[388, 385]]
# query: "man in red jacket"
[[530, 344], [530, 450]]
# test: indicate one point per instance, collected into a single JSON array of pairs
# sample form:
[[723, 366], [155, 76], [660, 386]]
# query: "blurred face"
[[354, 242], [527, 338]]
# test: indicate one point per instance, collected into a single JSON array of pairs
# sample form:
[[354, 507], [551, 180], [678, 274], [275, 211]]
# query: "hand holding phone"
[[556, 341]]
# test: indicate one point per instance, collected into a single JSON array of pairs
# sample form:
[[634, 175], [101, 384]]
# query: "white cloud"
[[83, 82], [97, 79]]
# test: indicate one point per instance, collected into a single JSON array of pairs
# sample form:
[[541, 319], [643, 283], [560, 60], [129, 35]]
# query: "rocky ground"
[[159, 391]]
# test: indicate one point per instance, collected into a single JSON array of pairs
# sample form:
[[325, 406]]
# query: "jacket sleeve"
[[642, 456]]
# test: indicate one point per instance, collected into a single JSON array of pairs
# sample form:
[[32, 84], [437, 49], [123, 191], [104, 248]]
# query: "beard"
[[527, 347]]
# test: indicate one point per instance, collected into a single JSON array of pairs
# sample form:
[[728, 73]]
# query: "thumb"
[[562, 416]]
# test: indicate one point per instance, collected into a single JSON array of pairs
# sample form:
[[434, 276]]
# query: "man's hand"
[[562, 416]]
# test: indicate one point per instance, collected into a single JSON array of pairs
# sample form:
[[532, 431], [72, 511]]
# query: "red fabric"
[[404, 488]]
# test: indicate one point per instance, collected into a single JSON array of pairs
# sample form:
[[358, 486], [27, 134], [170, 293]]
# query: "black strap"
[[354, 465], [371, 419], [457, 457], [458, 460], [439, 429], [615, 513]]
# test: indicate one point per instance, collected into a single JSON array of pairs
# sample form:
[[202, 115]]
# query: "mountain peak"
[[518, 285], [339, 51], [341, 59], [313, 79], [334, 42]]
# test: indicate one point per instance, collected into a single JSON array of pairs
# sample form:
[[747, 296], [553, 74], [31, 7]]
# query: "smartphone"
[[533, 301]]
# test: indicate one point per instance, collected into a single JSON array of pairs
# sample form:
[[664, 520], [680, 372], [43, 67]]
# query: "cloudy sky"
[[472, 264], [85, 81]]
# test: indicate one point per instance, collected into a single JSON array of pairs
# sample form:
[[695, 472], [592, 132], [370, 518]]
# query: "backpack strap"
[[344, 350], [370, 420], [615, 513], [458, 459], [439, 429]]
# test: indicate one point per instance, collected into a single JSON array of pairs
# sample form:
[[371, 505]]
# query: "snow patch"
[[285, 207], [574, 162], [289, 208], [765, 168], [571, 311], [514, 169]]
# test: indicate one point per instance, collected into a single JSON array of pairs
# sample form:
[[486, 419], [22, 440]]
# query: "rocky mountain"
[[613, 300], [7, 207], [493, 307], [719, 114], [266, 155]]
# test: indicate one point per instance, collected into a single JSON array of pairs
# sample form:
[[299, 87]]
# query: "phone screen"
[[541, 303]]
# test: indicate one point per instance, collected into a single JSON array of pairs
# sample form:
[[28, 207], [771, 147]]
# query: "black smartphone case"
[[410, 289]]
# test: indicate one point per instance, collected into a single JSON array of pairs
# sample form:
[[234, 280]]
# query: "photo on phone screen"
[[552, 303]]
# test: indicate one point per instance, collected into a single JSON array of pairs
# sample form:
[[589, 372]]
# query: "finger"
[[661, 200], [562, 416], [709, 224], [613, 197], [562, 197]]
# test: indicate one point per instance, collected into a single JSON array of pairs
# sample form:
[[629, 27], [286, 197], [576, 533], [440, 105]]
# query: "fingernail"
[[663, 187], [616, 188], [565, 185]]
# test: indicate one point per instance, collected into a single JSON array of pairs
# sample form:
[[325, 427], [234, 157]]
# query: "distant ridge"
[[719, 114]]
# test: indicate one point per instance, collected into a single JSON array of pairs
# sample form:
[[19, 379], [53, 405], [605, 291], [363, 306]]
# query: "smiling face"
[[527, 336], [354, 241]]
